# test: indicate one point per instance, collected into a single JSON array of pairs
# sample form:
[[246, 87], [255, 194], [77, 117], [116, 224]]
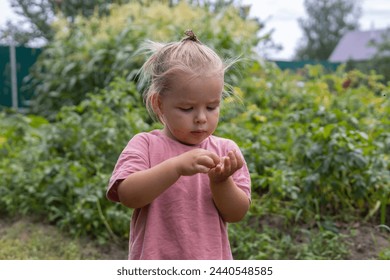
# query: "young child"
[[184, 184]]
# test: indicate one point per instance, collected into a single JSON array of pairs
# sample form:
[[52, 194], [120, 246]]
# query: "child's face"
[[190, 109]]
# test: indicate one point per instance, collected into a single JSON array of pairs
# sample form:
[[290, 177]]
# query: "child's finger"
[[202, 169], [233, 159], [226, 164], [240, 161], [215, 158], [215, 171], [207, 161], [218, 169]]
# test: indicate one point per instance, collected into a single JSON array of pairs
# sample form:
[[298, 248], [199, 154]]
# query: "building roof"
[[355, 45]]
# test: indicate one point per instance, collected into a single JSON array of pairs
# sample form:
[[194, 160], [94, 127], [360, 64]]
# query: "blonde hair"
[[188, 56]]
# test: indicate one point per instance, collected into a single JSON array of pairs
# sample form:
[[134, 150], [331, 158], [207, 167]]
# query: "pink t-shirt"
[[183, 222]]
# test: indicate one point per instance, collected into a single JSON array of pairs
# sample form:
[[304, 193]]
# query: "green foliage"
[[31, 240], [316, 149], [381, 60], [89, 53], [317, 144], [327, 22], [39, 17], [61, 170], [313, 145], [266, 242], [317, 152], [385, 254]]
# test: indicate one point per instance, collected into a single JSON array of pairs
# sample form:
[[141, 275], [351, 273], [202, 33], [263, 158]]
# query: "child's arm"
[[141, 188], [230, 200]]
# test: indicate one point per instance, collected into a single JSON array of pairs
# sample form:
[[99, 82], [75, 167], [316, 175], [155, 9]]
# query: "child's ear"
[[156, 103], [157, 106]]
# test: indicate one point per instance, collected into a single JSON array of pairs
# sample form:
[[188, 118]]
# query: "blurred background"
[[313, 121]]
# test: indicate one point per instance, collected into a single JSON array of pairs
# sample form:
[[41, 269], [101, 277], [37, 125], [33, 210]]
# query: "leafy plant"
[[313, 143], [60, 170], [88, 54], [317, 151]]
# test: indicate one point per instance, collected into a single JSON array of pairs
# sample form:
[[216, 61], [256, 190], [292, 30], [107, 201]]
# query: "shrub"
[[313, 145], [60, 170], [315, 150], [89, 54]]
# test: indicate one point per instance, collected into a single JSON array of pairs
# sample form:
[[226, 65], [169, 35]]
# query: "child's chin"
[[190, 142]]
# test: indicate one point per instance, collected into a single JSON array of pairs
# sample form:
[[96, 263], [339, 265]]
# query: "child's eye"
[[211, 108], [184, 109]]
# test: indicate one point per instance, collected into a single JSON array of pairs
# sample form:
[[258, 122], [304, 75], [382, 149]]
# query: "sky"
[[282, 16]]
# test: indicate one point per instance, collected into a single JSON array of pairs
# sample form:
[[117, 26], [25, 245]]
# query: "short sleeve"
[[133, 158]]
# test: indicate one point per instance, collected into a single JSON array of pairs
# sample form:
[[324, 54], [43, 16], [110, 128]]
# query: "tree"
[[327, 22], [91, 52], [37, 16], [381, 59]]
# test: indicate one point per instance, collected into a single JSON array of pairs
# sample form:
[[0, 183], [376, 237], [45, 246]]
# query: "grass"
[[272, 238], [298, 243], [33, 240], [29, 240]]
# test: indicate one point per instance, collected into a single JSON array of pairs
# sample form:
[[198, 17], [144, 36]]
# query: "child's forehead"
[[191, 100], [188, 79], [199, 89], [198, 83]]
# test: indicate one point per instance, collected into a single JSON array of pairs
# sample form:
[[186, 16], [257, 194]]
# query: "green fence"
[[295, 65], [25, 58]]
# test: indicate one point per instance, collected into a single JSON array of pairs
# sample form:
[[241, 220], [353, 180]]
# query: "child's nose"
[[200, 117]]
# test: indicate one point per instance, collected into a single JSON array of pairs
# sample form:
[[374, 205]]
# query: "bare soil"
[[367, 241]]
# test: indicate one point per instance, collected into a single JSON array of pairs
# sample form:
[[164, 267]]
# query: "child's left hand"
[[228, 165]]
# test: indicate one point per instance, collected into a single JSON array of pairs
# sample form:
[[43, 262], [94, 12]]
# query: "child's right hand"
[[196, 161]]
